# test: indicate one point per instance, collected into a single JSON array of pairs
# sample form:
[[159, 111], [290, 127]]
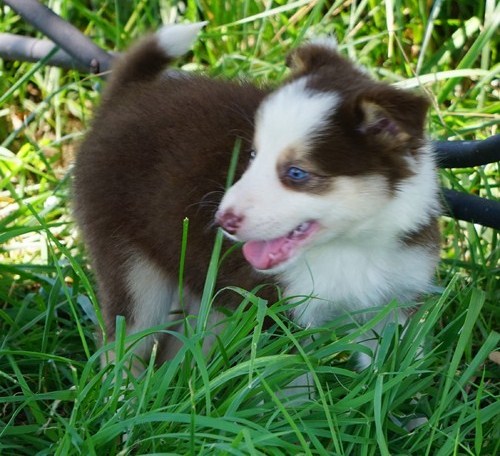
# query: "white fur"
[[292, 116], [417, 197], [177, 39], [365, 276], [328, 42], [153, 296]]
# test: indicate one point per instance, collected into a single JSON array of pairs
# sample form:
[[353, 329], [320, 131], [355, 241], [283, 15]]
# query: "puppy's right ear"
[[313, 55]]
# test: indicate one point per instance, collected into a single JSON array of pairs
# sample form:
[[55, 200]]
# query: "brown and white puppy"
[[339, 200]]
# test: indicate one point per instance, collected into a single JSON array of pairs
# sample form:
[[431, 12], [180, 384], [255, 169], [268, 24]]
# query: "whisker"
[[205, 202]]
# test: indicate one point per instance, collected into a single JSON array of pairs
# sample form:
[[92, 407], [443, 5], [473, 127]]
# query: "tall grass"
[[54, 396]]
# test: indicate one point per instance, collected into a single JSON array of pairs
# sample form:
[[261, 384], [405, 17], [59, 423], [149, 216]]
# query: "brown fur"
[[425, 236]]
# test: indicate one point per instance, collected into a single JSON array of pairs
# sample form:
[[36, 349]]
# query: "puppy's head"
[[331, 149]]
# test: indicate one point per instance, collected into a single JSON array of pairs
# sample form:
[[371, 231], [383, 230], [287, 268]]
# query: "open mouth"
[[265, 255]]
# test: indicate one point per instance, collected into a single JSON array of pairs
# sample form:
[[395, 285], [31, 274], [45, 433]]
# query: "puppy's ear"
[[391, 116], [309, 57]]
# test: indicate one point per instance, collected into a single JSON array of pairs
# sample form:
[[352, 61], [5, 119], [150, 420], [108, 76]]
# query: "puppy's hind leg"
[[151, 295], [138, 290]]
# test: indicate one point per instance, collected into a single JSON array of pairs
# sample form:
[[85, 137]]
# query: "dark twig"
[[472, 208], [65, 35], [26, 49], [463, 154]]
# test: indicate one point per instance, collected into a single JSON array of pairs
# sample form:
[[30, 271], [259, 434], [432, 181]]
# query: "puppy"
[[337, 200]]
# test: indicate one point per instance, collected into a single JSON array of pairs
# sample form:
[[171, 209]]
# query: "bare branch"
[[472, 208], [462, 154], [26, 49], [65, 35]]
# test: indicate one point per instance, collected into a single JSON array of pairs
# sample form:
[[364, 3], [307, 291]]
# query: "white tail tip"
[[177, 39], [328, 42]]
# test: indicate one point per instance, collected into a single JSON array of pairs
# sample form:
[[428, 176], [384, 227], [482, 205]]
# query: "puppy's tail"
[[151, 55]]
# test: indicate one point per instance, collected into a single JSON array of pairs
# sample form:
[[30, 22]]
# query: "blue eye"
[[296, 174]]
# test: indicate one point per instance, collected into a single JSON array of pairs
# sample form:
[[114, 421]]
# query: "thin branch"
[[472, 208], [26, 49], [65, 35], [464, 154]]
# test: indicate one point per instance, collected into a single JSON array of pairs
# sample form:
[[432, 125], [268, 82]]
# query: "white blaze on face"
[[289, 119]]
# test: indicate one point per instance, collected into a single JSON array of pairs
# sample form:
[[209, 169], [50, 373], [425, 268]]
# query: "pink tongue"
[[266, 254]]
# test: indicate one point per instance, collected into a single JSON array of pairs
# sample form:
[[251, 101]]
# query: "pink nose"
[[229, 221]]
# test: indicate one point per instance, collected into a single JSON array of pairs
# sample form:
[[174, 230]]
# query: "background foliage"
[[55, 399]]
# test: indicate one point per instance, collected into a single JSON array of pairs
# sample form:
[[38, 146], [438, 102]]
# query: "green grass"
[[54, 396]]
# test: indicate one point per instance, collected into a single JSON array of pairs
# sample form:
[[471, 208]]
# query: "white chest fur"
[[348, 277]]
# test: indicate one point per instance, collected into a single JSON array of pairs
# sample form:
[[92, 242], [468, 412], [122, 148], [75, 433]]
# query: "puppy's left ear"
[[313, 55], [392, 116]]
